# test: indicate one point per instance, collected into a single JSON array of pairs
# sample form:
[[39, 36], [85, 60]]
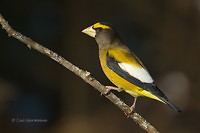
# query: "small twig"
[[81, 73]]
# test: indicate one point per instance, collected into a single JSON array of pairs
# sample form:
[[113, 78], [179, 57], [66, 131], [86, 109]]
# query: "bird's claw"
[[106, 91], [128, 112]]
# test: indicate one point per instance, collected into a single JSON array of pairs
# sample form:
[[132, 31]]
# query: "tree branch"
[[79, 72]]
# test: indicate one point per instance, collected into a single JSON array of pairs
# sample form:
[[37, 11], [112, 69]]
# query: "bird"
[[122, 67]]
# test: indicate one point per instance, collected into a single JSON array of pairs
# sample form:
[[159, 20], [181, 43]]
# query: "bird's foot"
[[127, 113], [109, 88], [131, 108]]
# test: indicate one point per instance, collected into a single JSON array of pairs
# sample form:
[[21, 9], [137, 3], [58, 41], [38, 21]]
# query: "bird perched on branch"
[[122, 67]]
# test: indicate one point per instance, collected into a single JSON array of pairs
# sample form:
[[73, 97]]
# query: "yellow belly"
[[120, 82]]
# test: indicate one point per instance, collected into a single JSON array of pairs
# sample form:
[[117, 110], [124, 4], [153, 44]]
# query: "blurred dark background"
[[165, 34]]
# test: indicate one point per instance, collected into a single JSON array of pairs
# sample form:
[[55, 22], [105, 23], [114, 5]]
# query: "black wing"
[[112, 63]]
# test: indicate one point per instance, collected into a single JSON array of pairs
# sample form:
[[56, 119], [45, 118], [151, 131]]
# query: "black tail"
[[157, 92], [171, 105]]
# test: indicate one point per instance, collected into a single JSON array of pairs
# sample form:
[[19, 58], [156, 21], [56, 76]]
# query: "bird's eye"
[[98, 29]]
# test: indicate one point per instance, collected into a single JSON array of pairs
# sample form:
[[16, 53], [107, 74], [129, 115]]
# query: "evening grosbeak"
[[122, 67]]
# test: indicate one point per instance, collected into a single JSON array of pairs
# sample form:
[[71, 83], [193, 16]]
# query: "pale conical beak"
[[90, 31]]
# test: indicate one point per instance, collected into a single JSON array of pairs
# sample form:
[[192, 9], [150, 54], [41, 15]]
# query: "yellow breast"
[[117, 80], [120, 82]]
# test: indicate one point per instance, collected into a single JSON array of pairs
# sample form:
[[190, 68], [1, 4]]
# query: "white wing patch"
[[139, 73]]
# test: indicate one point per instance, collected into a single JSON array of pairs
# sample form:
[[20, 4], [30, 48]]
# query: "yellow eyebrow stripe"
[[99, 25]]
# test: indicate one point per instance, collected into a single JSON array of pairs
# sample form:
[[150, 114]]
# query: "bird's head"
[[104, 34], [97, 28]]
